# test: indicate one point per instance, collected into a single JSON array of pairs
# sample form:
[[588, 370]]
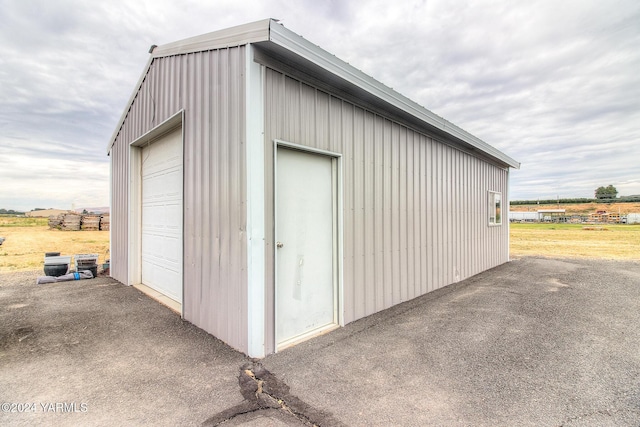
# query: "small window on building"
[[495, 208]]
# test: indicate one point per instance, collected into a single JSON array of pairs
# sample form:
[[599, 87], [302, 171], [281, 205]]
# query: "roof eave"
[[123, 116], [236, 36], [307, 50], [269, 30]]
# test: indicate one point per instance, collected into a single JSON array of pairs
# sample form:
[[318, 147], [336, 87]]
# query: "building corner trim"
[[255, 235]]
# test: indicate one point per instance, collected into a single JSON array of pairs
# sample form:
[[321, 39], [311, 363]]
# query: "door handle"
[[279, 245]]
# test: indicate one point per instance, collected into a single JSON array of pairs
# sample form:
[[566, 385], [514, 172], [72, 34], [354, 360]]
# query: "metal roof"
[[273, 37]]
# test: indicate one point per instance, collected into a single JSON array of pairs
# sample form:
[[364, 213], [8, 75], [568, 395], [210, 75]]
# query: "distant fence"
[[623, 199], [609, 218]]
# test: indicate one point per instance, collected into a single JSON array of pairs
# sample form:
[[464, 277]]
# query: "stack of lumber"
[[75, 222], [90, 222], [71, 222], [55, 221], [104, 222]]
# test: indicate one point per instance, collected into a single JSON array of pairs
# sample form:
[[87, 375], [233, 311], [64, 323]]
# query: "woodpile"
[[104, 222], [71, 222], [90, 222], [55, 221], [76, 222]]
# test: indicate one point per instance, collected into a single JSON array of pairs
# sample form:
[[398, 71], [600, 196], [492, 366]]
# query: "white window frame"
[[495, 208]]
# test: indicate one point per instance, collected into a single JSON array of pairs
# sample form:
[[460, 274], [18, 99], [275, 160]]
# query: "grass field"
[[27, 240], [7, 221], [608, 241]]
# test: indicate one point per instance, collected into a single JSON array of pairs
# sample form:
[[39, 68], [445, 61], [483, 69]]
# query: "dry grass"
[[27, 241], [609, 241]]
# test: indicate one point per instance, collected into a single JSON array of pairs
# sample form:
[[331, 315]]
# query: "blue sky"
[[554, 84]]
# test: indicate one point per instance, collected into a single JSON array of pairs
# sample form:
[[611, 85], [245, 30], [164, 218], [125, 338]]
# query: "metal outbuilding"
[[633, 218], [274, 192]]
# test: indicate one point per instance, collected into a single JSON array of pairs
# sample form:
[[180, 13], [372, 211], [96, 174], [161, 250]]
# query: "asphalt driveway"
[[533, 342]]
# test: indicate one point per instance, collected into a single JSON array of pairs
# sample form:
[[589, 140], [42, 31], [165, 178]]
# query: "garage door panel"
[[163, 249], [165, 217], [163, 277], [162, 209], [152, 217], [172, 249], [174, 189], [173, 217], [163, 187], [166, 186]]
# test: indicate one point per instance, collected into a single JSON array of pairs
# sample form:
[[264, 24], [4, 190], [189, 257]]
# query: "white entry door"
[[306, 229], [161, 237]]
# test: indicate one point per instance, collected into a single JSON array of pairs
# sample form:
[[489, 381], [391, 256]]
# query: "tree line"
[[608, 194], [10, 212]]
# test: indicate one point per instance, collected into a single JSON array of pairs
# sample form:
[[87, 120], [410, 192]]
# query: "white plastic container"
[[85, 259], [50, 260]]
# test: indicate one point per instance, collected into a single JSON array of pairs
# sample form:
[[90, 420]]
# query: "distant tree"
[[606, 193], [84, 212], [9, 212]]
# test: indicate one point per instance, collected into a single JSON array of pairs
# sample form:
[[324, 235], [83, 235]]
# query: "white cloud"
[[553, 84]]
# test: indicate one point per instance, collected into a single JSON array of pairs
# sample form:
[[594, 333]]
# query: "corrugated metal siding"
[[210, 87], [119, 209], [415, 209]]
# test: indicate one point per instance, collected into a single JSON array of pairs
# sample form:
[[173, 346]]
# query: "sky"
[[553, 84]]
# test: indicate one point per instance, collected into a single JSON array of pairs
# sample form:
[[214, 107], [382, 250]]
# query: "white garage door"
[[162, 215]]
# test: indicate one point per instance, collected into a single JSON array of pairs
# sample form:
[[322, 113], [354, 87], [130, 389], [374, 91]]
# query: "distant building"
[[552, 215], [99, 210], [46, 213]]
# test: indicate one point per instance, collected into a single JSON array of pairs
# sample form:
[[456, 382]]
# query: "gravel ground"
[[534, 342], [113, 355]]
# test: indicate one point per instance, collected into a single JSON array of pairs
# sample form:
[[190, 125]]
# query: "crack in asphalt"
[[263, 391]]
